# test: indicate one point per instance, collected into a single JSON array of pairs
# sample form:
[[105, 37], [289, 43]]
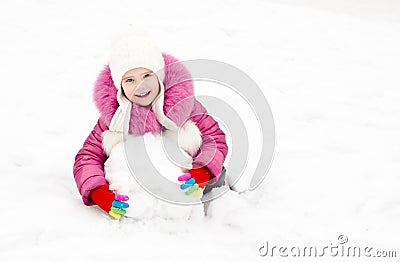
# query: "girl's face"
[[140, 86]]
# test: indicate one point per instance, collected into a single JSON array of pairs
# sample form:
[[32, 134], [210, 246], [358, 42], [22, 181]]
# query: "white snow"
[[144, 205], [330, 74]]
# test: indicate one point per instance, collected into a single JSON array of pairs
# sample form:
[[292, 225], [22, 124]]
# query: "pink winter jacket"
[[89, 162]]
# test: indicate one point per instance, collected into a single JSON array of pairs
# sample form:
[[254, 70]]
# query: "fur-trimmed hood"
[[178, 98]]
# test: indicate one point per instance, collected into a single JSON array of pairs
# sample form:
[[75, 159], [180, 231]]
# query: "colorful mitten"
[[114, 204], [196, 179]]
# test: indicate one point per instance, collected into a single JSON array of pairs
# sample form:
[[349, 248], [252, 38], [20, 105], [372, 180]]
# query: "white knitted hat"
[[132, 49]]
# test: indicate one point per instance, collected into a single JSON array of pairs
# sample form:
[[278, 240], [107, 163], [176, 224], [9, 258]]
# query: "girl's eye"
[[128, 80], [147, 75]]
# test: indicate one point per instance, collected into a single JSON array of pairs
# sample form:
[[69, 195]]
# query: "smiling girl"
[[139, 83]]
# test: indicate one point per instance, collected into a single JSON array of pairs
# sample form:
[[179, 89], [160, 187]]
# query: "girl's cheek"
[[128, 94]]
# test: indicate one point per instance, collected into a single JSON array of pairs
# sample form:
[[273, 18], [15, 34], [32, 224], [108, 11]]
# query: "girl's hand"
[[195, 180], [113, 203]]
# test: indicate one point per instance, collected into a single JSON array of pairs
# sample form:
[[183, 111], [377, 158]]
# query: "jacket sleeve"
[[214, 149], [89, 163]]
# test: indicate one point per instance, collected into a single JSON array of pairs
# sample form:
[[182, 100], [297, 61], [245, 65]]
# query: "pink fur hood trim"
[[178, 98]]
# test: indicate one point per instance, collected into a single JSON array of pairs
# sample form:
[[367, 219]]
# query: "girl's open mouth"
[[141, 95]]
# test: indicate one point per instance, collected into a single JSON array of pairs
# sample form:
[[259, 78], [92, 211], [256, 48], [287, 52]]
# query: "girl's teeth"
[[143, 94]]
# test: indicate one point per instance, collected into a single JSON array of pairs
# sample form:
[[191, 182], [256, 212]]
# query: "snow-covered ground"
[[330, 75]]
